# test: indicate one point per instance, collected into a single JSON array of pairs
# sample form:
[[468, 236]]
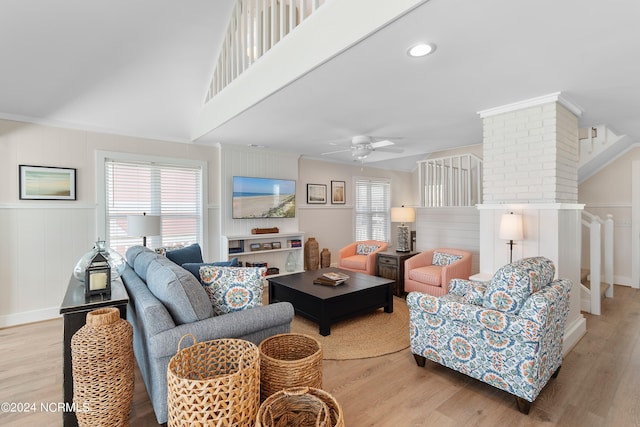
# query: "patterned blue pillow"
[[232, 288], [363, 249], [441, 258]]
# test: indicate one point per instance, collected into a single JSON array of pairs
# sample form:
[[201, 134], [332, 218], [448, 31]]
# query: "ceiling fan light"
[[420, 49]]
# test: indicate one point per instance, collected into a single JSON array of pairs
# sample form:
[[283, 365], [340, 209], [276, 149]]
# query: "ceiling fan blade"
[[383, 143], [390, 149], [335, 152]]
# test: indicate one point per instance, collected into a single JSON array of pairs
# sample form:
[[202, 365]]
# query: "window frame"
[[387, 211], [101, 187]]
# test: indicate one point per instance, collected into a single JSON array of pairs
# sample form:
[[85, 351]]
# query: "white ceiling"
[[141, 68]]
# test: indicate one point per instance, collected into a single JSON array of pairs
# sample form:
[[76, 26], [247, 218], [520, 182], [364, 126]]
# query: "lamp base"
[[404, 244]]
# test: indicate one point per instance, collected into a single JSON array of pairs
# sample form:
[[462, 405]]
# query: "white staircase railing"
[[600, 249], [254, 28], [451, 181]]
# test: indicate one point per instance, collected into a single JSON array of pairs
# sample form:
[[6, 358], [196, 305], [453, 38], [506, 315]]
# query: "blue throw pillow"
[[194, 267], [191, 253]]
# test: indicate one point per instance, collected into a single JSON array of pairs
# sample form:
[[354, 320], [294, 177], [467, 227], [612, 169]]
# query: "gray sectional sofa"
[[166, 302]]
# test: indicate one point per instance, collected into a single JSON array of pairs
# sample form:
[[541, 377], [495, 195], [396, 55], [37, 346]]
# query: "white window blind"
[[373, 204], [172, 191]]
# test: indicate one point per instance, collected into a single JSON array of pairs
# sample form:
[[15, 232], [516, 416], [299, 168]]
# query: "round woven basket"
[[214, 383], [287, 361], [102, 366], [298, 407]]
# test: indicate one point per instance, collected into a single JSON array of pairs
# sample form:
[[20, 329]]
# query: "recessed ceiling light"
[[421, 49]]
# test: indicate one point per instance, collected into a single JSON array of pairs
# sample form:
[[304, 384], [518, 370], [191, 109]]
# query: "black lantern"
[[98, 276]]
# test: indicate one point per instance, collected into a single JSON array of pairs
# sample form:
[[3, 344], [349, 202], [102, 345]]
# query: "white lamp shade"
[[143, 225], [511, 227], [403, 214]]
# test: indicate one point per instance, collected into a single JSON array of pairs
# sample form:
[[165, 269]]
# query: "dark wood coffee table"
[[326, 305]]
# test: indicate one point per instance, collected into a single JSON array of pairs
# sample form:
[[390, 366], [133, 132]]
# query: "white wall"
[[43, 240], [332, 225], [609, 191]]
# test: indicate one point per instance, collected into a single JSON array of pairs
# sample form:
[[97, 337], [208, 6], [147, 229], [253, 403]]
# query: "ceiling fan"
[[363, 145]]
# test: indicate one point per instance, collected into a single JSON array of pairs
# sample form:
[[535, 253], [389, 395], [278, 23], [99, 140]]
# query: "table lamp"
[[403, 215], [143, 225], [511, 229]]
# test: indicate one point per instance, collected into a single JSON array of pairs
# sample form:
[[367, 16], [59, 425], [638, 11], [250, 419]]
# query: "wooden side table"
[[390, 265], [74, 309]]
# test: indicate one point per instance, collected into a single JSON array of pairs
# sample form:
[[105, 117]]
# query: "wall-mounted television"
[[263, 197]]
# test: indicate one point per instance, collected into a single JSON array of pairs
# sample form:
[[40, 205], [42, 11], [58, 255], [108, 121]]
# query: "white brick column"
[[530, 167]]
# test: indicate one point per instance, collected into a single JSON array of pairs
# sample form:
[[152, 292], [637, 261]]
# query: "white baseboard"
[[573, 332], [24, 317]]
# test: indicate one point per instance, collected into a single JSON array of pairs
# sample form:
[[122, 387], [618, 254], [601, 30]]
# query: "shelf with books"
[[274, 249]]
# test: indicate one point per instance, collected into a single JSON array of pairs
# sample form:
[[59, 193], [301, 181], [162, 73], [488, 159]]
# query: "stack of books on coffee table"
[[331, 279]]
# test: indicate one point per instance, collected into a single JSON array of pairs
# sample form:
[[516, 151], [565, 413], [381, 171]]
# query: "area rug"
[[369, 335]]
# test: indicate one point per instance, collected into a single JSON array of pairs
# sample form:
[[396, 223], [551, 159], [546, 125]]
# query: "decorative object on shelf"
[[403, 215], [266, 246], [143, 225], [325, 258], [316, 194], [102, 365], [338, 195], [115, 260], [47, 183], [214, 382], [511, 229], [294, 243], [265, 230], [97, 278], [255, 246], [289, 360], [311, 254], [276, 245], [236, 246], [290, 264]]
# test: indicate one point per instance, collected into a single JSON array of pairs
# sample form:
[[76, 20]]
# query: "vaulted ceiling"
[[142, 68]]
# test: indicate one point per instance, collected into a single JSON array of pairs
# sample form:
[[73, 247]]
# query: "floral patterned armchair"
[[507, 332]]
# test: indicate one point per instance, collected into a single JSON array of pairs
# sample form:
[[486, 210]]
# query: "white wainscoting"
[[449, 227]]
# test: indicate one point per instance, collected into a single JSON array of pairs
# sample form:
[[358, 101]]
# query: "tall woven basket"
[[300, 407], [102, 366], [288, 361], [214, 383]]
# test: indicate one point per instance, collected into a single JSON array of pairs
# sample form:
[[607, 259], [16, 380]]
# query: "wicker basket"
[[300, 406], [214, 383], [288, 361], [102, 366]]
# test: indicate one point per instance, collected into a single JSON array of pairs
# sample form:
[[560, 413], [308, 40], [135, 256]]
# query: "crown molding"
[[534, 102]]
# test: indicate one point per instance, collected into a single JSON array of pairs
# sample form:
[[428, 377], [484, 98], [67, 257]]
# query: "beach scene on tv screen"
[[263, 198]]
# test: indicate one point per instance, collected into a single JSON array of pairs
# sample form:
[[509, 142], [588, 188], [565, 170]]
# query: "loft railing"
[[255, 27], [600, 249], [451, 181]]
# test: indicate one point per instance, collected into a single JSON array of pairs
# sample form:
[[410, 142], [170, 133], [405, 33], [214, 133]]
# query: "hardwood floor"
[[598, 385]]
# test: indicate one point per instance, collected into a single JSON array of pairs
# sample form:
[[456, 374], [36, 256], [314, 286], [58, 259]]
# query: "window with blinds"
[[172, 191], [372, 207]]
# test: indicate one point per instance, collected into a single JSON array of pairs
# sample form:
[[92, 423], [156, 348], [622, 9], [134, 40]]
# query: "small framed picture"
[[316, 193], [255, 246], [47, 183], [267, 246], [338, 196], [276, 245]]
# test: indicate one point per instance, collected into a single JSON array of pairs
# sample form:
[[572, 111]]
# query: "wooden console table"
[[74, 309], [390, 265]]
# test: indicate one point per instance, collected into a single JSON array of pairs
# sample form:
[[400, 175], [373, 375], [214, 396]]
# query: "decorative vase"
[[325, 258], [116, 262], [311, 254], [290, 264], [102, 366]]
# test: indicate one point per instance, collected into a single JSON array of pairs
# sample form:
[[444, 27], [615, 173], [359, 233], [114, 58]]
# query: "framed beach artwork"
[[337, 193], [316, 193], [47, 183]]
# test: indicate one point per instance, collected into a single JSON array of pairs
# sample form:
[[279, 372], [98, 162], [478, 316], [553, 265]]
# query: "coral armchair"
[[361, 256], [507, 332], [430, 271]]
